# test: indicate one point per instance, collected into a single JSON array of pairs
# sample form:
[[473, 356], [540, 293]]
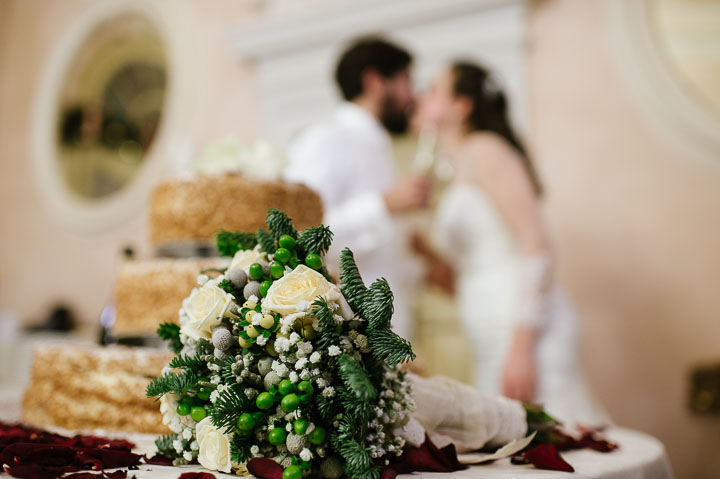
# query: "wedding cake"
[[85, 387]]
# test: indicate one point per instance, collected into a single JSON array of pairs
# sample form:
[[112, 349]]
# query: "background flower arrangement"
[[276, 361]]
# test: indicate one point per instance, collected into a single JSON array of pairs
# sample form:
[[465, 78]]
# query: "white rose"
[[203, 308], [244, 258], [213, 446], [300, 287]]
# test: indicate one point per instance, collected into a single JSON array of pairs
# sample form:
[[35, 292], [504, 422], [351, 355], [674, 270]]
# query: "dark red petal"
[[120, 474], [46, 455], [112, 458], [593, 441], [83, 475], [159, 460], [546, 456], [32, 472], [264, 468], [427, 458], [388, 473], [196, 475]]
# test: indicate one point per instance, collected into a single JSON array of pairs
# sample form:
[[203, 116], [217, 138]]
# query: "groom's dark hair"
[[368, 53]]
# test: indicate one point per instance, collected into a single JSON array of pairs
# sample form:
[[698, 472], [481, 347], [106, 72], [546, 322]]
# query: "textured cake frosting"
[[94, 387], [150, 292], [195, 209]]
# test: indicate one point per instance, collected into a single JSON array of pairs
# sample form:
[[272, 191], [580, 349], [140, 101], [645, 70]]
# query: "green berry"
[[277, 436], [264, 287], [290, 402], [198, 413], [256, 271], [204, 394], [277, 270], [314, 261], [187, 400], [246, 422], [292, 472], [300, 426], [305, 387], [264, 401], [183, 409], [286, 387], [287, 242], [317, 436], [282, 255]]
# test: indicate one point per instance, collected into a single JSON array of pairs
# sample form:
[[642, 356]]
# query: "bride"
[[519, 324]]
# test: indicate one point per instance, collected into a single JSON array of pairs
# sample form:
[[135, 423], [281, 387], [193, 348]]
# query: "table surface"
[[639, 456]]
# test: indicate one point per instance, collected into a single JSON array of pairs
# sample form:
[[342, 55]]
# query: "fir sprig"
[[316, 239], [228, 407], [356, 378], [171, 332], [177, 383], [266, 242], [352, 285], [386, 345], [279, 223], [165, 446], [186, 361], [378, 305], [228, 286], [228, 243], [328, 332]]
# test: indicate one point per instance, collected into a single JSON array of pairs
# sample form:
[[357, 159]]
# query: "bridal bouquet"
[[275, 361]]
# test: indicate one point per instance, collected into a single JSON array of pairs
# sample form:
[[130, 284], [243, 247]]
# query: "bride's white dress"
[[492, 293]]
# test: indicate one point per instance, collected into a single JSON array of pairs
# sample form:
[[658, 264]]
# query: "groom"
[[349, 162]]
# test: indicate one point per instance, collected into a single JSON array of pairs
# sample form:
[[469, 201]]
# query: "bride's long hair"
[[489, 111]]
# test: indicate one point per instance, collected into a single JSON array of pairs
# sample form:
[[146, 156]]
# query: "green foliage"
[[228, 243], [171, 332], [378, 305], [358, 463], [165, 446], [177, 383], [385, 345], [228, 286], [187, 361], [279, 223], [240, 448], [328, 328], [266, 242], [356, 378], [316, 239], [230, 404], [352, 285]]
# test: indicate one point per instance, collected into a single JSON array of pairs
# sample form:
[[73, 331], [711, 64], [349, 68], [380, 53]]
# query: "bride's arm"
[[497, 168]]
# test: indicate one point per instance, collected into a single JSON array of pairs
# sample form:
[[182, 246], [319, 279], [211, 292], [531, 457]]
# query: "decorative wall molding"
[[667, 103], [85, 215], [294, 53]]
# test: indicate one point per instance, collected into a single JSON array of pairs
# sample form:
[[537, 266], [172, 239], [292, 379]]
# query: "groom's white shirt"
[[349, 162]]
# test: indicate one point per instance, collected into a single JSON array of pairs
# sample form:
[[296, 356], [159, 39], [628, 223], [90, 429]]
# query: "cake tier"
[[194, 210], [151, 292], [97, 387]]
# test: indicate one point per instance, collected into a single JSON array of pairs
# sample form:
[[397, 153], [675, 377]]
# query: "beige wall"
[[636, 227], [635, 221]]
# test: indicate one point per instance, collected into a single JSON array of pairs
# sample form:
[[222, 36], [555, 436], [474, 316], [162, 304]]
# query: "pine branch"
[[165, 446], [356, 378], [179, 383], [266, 242], [228, 243], [230, 404], [279, 223], [377, 306], [187, 361], [352, 285], [316, 239], [171, 332], [387, 346], [358, 462], [240, 448], [328, 331]]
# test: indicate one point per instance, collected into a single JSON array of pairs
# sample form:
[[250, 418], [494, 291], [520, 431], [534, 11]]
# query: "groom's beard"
[[394, 118]]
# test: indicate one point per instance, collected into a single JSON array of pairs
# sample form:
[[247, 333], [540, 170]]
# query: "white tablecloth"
[[639, 457]]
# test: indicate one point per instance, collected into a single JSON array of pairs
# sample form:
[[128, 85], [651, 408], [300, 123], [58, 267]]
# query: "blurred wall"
[[635, 222], [42, 262], [634, 219]]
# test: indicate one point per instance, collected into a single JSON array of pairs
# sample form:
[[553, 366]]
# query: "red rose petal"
[[32, 472], [546, 456], [116, 474], [196, 475], [427, 458], [388, 473], [264, 468], [159, 460]]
